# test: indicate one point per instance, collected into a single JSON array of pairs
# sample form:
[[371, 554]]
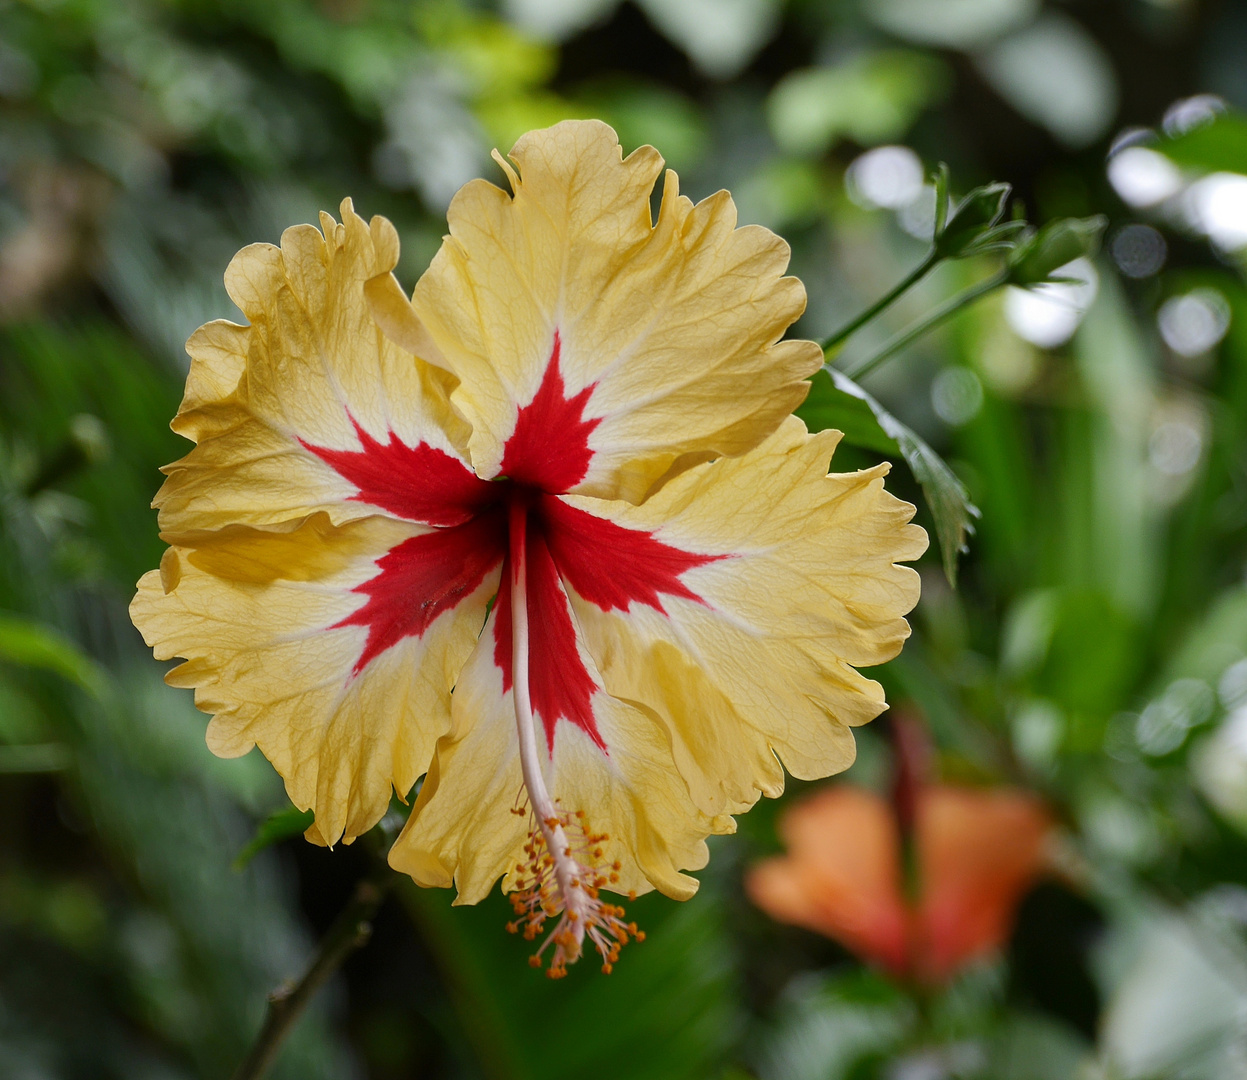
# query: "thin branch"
[[350, 931], [940, 315], [916, 275]]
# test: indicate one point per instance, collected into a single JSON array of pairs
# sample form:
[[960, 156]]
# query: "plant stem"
[[349, 932], [940, 315], [916, 275]]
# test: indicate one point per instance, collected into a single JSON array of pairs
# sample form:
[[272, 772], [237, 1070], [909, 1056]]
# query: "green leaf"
[[941, 182], [834, 1027], [871, 98], [276, 827], [972, 222], [1214, 641], [1219, 146], [30, 644], [86, 443], [35, 758], [847, 406], [669, 1009], [829, 407], [1058, 243]]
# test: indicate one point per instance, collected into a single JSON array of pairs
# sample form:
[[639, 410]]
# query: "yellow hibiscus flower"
[[546, 533]]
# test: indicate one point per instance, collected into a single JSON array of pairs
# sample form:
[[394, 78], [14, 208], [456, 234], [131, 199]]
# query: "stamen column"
[[575, 900]]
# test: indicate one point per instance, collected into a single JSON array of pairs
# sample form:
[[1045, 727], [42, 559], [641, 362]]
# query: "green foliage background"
[[1089, 651]]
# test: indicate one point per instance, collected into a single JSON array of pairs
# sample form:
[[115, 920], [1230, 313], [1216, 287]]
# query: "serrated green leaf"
[[828, 407], [30, 644], [276, 827], [946, 496]]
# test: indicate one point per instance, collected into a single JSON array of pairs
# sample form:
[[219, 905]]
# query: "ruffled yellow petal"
[[256, 616], [760, 660], [311, 365], [280, 518], [462, 830], [671, 330]]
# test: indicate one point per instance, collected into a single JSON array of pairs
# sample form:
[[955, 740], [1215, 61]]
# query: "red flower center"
[[427, 575]]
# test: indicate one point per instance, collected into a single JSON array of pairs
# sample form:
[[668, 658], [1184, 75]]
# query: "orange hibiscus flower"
[[975, 853]]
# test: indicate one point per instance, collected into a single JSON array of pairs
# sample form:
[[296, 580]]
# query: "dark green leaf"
[[829, 407], [972, 222], [669, 1004], [1219, 146], [25, 642], [946, 496], [276, 827], [86, 443], [35, 758], [1055, 245], [941, 181]]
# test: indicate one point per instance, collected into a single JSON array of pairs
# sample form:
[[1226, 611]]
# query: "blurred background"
[[1036, 870]]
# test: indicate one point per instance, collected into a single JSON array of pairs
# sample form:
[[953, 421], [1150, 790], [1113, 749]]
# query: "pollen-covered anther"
[[567, 888]]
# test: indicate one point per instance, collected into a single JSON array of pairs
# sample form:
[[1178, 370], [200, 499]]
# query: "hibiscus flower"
[[544, 533], [976, 852]]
